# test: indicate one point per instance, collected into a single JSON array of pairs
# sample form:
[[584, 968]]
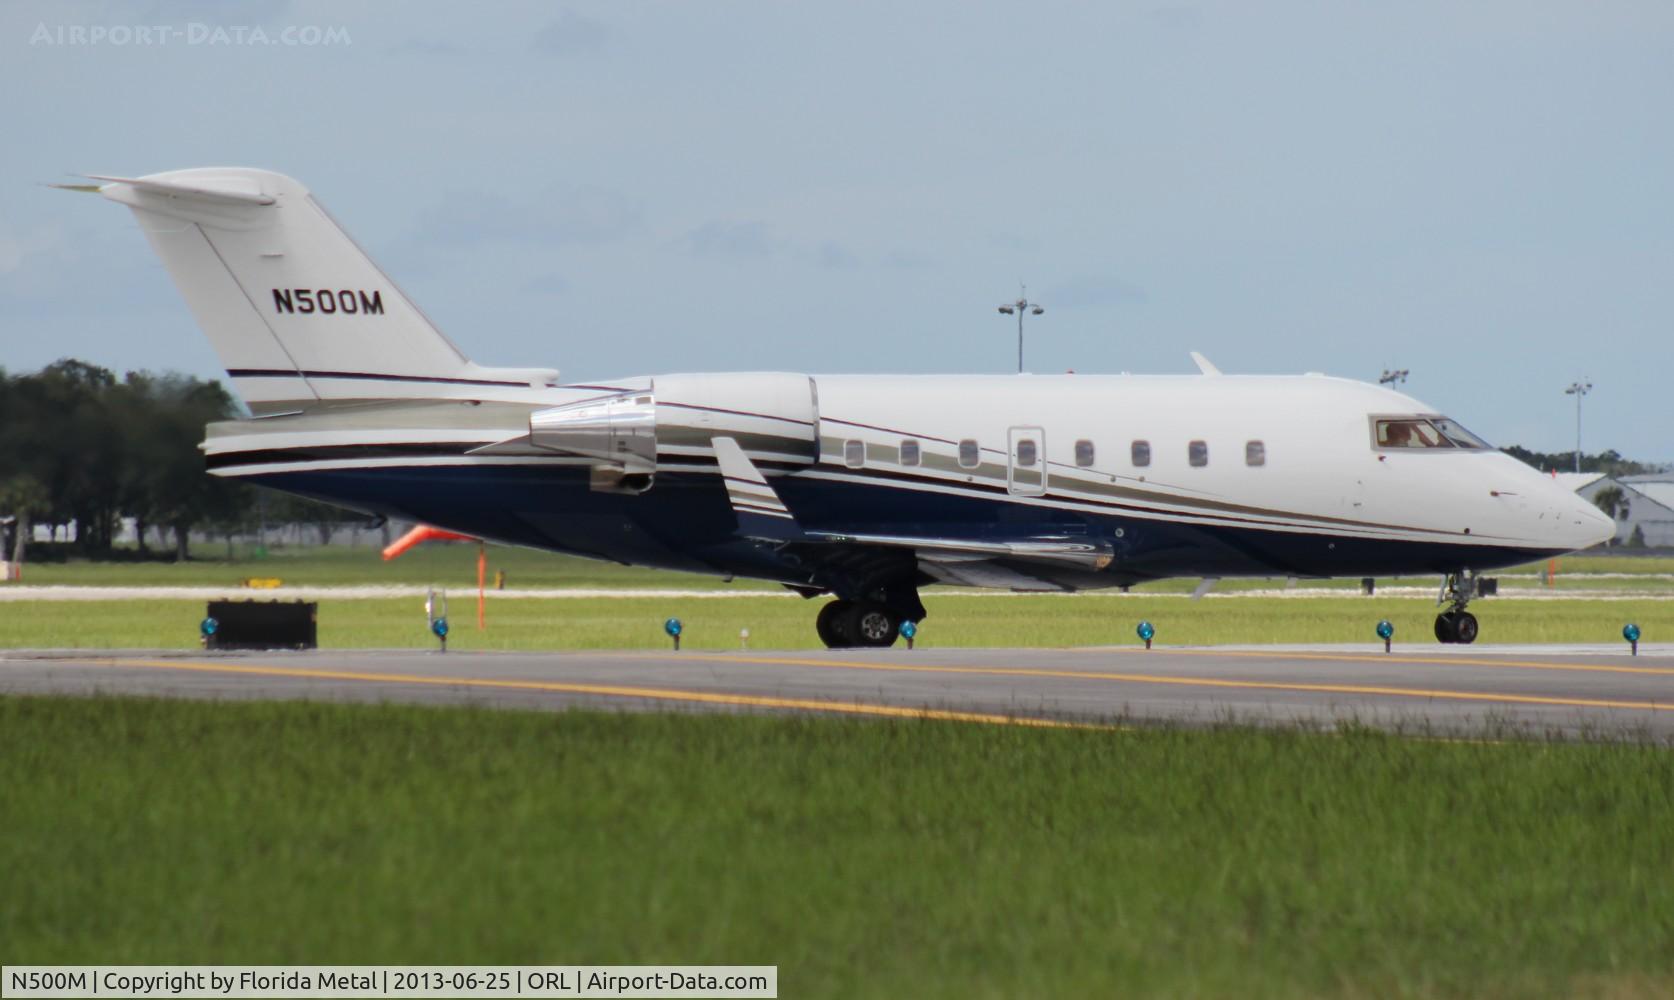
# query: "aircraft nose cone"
[[1585, 525]]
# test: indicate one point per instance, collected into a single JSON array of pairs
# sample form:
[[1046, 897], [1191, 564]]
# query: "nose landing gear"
[[1456, 624]]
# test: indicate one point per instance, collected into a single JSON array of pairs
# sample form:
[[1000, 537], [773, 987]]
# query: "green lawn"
[[787, 622], [454, 565], [864, 858]]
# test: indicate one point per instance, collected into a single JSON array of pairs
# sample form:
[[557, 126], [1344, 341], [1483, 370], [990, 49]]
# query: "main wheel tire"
[[1446, 628], [869, 624], [1464, 627], [831, 624]]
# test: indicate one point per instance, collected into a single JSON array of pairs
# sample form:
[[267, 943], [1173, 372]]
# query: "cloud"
[[426, 47], [572, 34], [833, 255], [203, 11], [582, 216], [41, 244], [1092, 291], [906, 260], [755, 239], [730, 239]]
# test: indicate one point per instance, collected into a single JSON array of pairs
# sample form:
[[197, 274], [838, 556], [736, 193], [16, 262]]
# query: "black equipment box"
[[262, 625]]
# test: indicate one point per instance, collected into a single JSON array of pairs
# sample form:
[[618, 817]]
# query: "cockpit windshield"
[[1424, 432], [1460, 437]]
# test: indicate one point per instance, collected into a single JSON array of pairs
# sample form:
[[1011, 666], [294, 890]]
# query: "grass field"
[[455, 566], [862, 858], [1318, 611], [787, 622]]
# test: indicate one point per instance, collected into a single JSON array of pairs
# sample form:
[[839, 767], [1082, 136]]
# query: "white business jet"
[[864, 487]]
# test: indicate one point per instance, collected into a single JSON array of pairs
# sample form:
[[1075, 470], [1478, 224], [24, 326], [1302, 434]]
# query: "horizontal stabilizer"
[[225, 190]]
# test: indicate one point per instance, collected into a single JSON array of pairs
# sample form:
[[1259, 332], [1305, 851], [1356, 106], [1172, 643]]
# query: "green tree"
[[165, 481], [1613, 501]]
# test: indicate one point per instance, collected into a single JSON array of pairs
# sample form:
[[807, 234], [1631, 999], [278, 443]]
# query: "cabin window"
[[909, 451], [1026, 452], [1197, 453], [1142, 453], [1255, 453], [1083, 453], [969, 453], [854, 453]]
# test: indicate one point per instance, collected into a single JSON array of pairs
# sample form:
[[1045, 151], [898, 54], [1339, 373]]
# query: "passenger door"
[[1026, 467]]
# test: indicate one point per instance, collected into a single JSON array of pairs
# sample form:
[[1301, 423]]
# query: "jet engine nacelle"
[[771, 416], [620, 430]]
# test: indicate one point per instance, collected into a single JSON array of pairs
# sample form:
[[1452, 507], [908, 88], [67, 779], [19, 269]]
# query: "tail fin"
[[296, 310]]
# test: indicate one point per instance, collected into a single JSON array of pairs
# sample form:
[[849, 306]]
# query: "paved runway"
[[1538, 690]]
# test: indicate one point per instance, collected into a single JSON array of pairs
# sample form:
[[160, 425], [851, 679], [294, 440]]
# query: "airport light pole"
[[1578, 390], [1021, 306], [1392, 376]]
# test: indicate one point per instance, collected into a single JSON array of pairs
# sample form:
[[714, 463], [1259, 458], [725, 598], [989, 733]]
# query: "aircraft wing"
[[762, 515]]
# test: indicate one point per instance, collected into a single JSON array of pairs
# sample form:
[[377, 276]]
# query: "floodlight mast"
[[1578, 390], [1019, 308], [1393, 376]]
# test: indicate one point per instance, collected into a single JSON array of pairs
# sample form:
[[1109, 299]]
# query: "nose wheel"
[[1456, 625]]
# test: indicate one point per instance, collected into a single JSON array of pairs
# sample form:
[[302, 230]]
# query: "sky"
[[1481, 193]]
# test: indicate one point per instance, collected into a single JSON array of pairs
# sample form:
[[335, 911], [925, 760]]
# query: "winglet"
[[760, 512], [1204, 365]]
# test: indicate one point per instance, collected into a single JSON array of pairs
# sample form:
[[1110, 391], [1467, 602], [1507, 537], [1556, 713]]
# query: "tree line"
[[1609, 461], [79, 445]]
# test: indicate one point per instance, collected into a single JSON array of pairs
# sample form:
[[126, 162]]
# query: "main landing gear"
[[1456, 624], [845, 624]]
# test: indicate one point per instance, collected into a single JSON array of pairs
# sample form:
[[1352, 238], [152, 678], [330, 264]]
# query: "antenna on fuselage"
[[1204, 365]]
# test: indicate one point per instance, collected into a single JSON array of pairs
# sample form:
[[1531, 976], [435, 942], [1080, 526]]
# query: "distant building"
[[1649, 500], [1650, 508]]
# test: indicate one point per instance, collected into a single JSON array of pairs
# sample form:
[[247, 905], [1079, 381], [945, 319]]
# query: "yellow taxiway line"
[[607, 690], [1389, 658], [1213, 682]]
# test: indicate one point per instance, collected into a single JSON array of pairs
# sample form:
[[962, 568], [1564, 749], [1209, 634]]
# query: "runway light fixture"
[[1146, 631], [1022, 307], [743, 638], [1386, 632], [439, 627], [908, 631], [1579, 390], [1630, 632], [207, 628], [673, 628]]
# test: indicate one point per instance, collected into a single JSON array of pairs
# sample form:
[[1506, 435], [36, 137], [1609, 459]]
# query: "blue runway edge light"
[[908, 630], [209, 627], [1385, 629], [1146, 630], [1630, 632], [440, 627], [672, 626]]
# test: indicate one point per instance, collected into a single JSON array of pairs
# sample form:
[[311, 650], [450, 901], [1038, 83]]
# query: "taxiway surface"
[[1538, 690]]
